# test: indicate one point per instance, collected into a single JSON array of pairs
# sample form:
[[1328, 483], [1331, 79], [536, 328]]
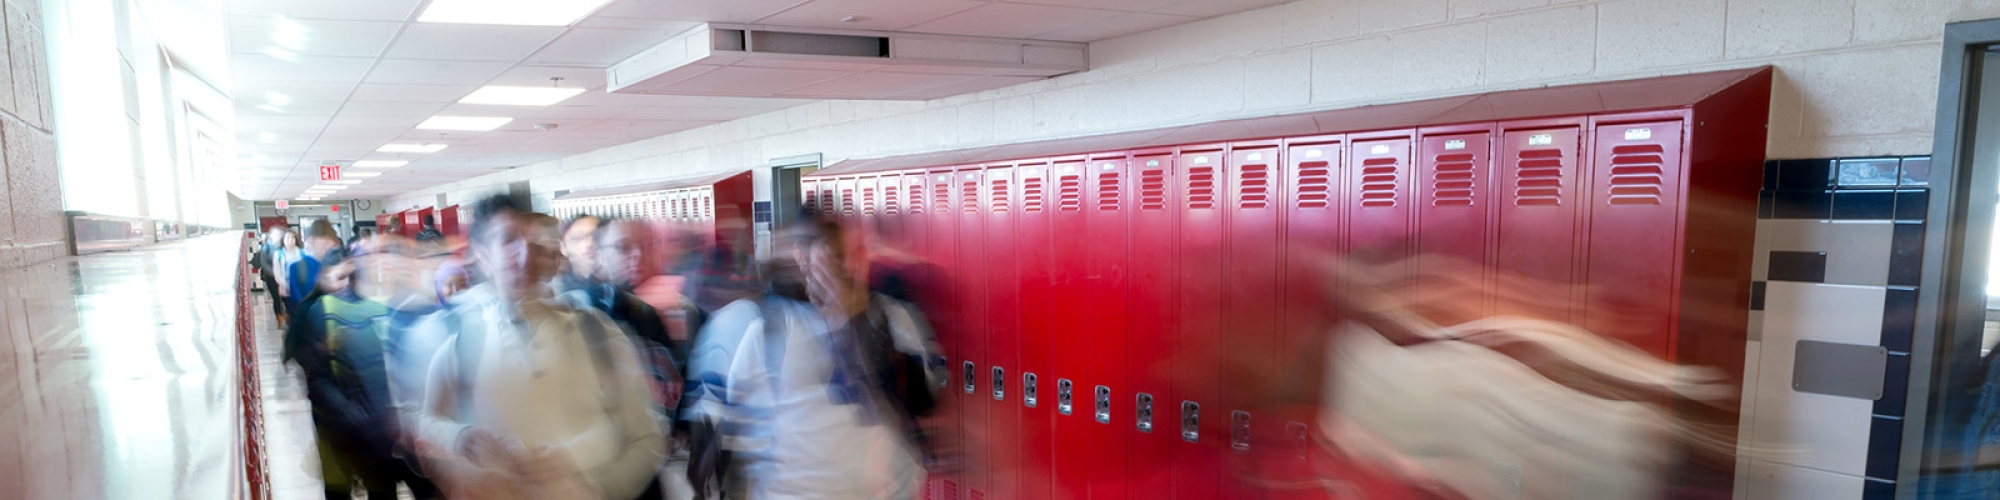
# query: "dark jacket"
[[649, 334], [341, 351]]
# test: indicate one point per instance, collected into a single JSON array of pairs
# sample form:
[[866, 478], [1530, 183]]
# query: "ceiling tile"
[[1125, 5], [566, 112], [253, 93], [1212, 8], [410, 71], [654, 127], [1008, 20], [598, 47], [441, 94], [1115, 27], [310, 37], [264, 107], [400, 123], [675, 27], [391, 108], [471, 42], [729, 11], [377, 10], [538, 76], [260, 123], [689, 113], [259, 67], [888, 15]]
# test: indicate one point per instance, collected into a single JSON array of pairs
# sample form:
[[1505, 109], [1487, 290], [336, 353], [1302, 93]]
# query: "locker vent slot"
[[1315, 181], [999, 198], [1069, 193], [1538, 178], [889, 198], [1451, 183], [1378, 182], [916, 199], [846, 203], [867, 201], [707, 208], [812, 203], [1031, 194], [969, 197], [825, 203], [1201, 188], [1638, 174], [1107, 191], [1153, 189], [941, 198], [1254, 188]]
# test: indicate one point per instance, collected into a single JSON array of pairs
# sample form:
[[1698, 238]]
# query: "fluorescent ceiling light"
[[385, 163], [475, 123], [360, 175], [516, 12], [409, 148], [520, 96]]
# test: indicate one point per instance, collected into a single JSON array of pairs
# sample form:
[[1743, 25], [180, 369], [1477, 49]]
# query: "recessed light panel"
[[514, 12], [520, 96], [472, 123], [380, 163]]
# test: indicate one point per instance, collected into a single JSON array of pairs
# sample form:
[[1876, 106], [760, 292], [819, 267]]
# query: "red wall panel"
[[1149, 343]]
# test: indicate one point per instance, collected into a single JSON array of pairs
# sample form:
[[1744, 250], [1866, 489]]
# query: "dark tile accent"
[[1875, 489], [1808, 267], [1862, 172], [1895, 386], [1770, 174], [1766, 204], [1885, 443], [1913, 204], [1756, 295], [1805, 174], [1899, 319], [1906, 254], [1916, 171], [1864, 205], [1800, 204]]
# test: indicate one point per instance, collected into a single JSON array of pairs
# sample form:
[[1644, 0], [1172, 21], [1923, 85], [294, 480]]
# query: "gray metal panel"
[[1835, 369]]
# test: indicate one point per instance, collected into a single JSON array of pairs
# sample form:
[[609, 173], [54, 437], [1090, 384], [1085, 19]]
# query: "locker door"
[[1534, 251], [972, 266], [1150, 418], [1003, 348], [1634, 209], [1379, 211], [869, 202], [1252, 301], [916, 230], [1038, 328], [1452, 209], [850, 202], [1312, 236], [1198, 414], [889, 222], [809, 196], [1070, 356], [1106, 207], [948, 321]]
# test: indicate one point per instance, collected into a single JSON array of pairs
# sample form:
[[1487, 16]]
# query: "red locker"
[[1632, 262], [889, 220], [1106, 207], [1038, 330], [1199, 415], [1252, 303], [916, 227], [949, 322], [1003, 348], [1379, 209], [1149, 344], [1312, 238], [1536, 221], [850, 202], [1452, 207], [974, 331], [1070, 357], [448, 221], [865, 185]]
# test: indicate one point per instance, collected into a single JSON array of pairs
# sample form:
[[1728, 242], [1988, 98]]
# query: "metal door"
[[972, 265], [1197, 455], [1038, 295], [888, 227], [1454, 170], [1252, 301], [916, 227], [1068, 394], [1150, 402], [1001, 287], [1535, 240], [1379, 208], [948, 320], [1106, 206], [1635, 204], [1312, 202]]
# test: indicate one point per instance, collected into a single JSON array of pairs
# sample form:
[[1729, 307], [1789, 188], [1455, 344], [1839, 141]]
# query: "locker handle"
[[1239, 431], [971, 377], [1103, 405], [1028, 389], [1142, 408], [999, 384], [1062, 396], [1301, 437], [1190, 421]]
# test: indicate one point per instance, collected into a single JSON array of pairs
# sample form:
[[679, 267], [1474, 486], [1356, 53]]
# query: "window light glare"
[[513, 12], [472, 123], [380, 163], [520, 96], [410, 148]]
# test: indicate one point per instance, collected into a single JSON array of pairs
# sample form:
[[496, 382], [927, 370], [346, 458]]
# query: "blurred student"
[[430, 235], [624, 257], [529, 396], [342, 348], [304, 272], [579, 249]]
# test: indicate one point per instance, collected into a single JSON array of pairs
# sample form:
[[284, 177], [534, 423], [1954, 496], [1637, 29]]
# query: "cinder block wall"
[[31, 206]]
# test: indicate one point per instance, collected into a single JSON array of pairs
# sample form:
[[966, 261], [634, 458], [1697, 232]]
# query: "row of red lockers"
[[1121, 324], [682, 205]]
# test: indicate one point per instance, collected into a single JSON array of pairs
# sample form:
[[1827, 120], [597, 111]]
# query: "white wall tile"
[[1830, 313], [1857, 252], [1642, 34], [1782, 482], [1812, 430], [1766, 27], [1540, 46]]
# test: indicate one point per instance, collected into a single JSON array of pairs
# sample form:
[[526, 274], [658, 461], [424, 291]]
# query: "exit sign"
[[284, 204], [329, 172]]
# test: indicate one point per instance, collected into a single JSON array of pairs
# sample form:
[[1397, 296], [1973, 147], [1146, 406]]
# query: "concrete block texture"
[[1464, 10], [1884, 91], [34, 184], [1541, 46], [1313, 21], [22, 53], [1410, 63], [1635, 35], [1766, 27]]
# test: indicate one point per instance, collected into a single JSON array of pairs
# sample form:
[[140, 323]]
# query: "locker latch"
[[1301, 437], [1190, 421], [1028, 389], [971, 378], [944, 382], [1062, 396], [1239, 431], [1142, 408], [999, 383], [1103, 404]]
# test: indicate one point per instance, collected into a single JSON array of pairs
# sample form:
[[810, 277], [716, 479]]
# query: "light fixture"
[[380, 163], [360, 175], [410, 148], [515, 12], [474, 123], [520, 96]]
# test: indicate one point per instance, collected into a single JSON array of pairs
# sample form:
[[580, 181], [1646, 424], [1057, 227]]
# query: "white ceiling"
[[317, 81]]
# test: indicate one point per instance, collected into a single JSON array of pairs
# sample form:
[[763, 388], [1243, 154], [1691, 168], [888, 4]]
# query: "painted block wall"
[[31, 205]]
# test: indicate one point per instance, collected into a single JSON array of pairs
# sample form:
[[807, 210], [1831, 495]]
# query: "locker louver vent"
[[1378, 182], [1153, 189], [916, 194], [889, 201], [1201, 188], [1538, 178], [826, 202], [1069, 193], [707, 208], [1451, 183], [1031, 194], [969, 197], [1255, 187], [998, 197], [1638, 174], [812, 203], [846, 202], [867, 201], [1315, 181], [941, 198], [1108, 191]]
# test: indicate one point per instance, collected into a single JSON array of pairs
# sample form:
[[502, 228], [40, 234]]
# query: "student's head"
[[503, 242], [321, 238], [546, 231], [625, 252], [430, 222], [289, 239], [579, 244], [338, 277], [823, 256]]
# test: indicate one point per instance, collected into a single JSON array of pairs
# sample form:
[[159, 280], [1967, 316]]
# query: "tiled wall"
[[31, 205], [1839, 247]]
